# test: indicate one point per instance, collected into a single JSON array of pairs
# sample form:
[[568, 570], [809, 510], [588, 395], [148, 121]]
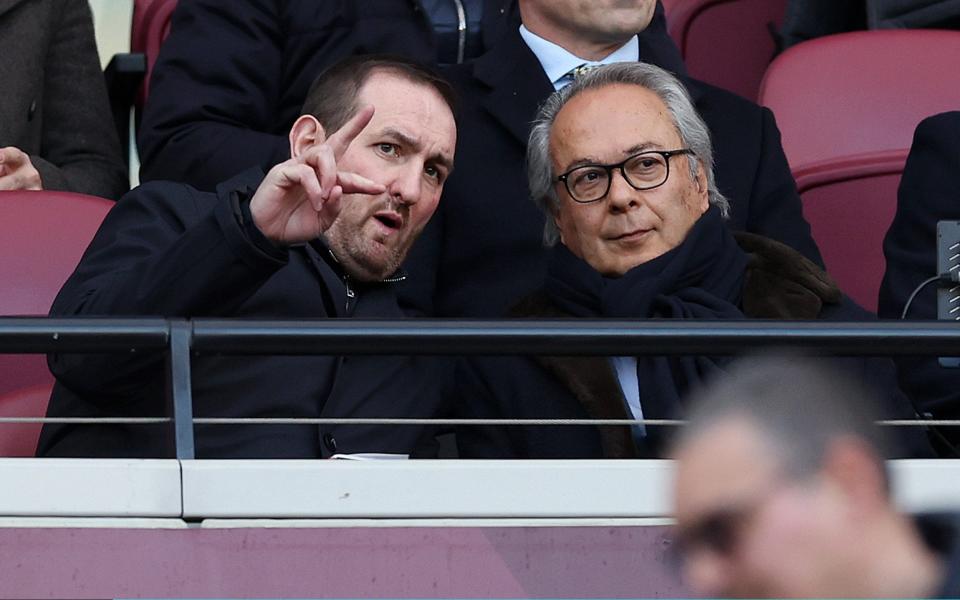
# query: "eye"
[[388, 149], [433, 172], [588, 176]]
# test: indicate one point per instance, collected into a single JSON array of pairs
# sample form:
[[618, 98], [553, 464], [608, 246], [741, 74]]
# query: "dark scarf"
[[702, 278]]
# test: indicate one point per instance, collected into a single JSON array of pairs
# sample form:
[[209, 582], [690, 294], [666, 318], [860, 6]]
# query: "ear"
[[703, 190], [853, 467], [305, 133], [557, 217]]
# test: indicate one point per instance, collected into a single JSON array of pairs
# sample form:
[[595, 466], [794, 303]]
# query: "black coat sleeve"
[[776, 208], [79, 150], [165, 250], [215, 94], [929, 192]]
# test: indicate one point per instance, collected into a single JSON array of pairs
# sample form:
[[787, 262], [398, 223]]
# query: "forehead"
[[417, 109], [727, 463], [603, 123]]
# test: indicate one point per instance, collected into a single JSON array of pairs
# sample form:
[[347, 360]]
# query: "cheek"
[[422, 211]]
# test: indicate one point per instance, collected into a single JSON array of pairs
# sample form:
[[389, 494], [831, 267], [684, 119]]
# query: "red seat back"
[[20, 439], [726, 42], [847, 106], [863, 92], [850, 205], [151, 26], [42, 237]]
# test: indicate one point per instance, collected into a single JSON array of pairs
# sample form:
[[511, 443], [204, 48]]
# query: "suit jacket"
[[482, 250], [169, 250], [54, 102], [232, 76], [929, 192], [778, 283]]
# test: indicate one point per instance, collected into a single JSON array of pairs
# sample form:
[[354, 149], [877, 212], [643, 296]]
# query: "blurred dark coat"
[[53, 99], [929, 192], [232, 76]]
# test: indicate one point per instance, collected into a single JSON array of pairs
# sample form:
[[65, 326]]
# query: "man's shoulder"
[[706, 95]]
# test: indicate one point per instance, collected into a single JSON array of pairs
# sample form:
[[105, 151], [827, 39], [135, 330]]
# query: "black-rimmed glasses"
[[643, 171]]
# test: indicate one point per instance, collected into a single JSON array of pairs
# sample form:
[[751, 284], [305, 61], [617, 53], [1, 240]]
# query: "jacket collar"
[[518, 85], [516, 82], [6, 5]]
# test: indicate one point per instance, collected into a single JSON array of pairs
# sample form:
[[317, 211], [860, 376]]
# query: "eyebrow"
[[590, 160], [414, 143]]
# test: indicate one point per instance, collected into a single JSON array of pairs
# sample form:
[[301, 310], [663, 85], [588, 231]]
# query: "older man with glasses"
[[621, 164]]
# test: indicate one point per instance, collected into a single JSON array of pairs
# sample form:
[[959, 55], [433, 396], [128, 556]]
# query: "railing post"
[[180, 391]]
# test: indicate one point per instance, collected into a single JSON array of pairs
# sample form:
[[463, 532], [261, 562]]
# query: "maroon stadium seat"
[[726, 42], [151, 25], [20, 439], [43, 236], [847, 106]]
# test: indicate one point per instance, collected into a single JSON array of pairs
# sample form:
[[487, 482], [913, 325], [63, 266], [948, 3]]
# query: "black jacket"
[[168, 250], [929, 192], [777, 283], [483, 250], [232, 76]]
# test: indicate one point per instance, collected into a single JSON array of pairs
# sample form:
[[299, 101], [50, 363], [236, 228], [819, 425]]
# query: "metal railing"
[[181, 339]]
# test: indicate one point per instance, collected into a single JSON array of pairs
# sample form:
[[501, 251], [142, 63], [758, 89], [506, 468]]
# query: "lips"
[[631, 235], [391, 220]]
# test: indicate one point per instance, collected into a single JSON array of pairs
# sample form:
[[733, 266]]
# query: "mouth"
[[634, 235], [390, 220]]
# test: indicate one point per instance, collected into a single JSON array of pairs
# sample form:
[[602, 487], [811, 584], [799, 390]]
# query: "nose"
[[406, 185], [706, 574], [621, 196]]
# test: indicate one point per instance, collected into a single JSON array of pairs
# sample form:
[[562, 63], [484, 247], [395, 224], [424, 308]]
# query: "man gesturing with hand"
[[320, 235]]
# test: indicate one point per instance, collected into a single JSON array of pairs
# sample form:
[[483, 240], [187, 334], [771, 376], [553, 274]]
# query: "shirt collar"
[[557, 61]]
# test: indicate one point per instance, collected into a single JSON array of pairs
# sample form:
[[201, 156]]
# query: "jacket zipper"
[[461, 30]]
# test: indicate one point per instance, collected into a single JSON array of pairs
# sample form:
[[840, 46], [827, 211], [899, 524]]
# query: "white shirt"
[[558, 61]]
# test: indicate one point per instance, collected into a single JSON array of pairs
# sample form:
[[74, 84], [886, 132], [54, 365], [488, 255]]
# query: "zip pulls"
[[461, 31]]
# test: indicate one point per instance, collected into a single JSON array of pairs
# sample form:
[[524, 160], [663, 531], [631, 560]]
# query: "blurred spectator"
[[321, 235], [781, 491], [929, 192], [483, 250], [808, 19], [619, 162], [231, 77], [55, 127]]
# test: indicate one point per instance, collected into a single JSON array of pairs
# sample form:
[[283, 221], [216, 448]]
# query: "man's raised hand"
[[300, 198]]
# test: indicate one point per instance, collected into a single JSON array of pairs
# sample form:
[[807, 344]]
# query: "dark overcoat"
[[53, 104]]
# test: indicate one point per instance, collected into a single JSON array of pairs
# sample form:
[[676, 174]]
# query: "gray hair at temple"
[[688, 123], [799, 406]]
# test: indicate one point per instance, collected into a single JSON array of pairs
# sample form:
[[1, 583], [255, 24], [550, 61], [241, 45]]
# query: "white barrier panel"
[[426, 488], [926, 485], [90, 487], [576, 489]]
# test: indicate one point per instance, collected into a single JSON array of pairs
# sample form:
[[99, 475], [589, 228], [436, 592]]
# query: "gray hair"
[[688, 123], [798, 405]]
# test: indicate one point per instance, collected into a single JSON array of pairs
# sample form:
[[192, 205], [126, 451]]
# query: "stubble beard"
[[368, 257]]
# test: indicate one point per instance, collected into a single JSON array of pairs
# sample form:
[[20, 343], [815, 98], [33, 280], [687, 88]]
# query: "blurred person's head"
[[590, 29], [640, 117], [781, 490]]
